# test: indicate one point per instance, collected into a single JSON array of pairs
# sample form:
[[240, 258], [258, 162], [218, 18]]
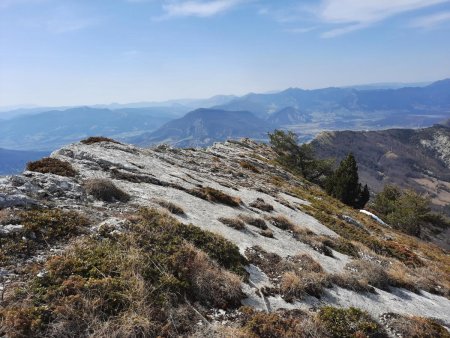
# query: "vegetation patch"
[[260, 204], [234, 223], [349, 323], [172, 207], [267, 233], [216, 196], [142, 284], [105, 190], [281, 222], [40, 229], [98, 139], [249, 166], [293, 277], [414, 327], [254, 221], [53, 166]]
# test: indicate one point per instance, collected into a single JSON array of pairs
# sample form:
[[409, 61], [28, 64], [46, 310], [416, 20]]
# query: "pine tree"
[[344, 184]]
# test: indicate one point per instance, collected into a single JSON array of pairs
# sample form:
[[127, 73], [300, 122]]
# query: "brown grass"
[[97, 139], [300, 275], [281, 222], [210, 283], [266, 233], [234, 223], [249, 166], [216, 196], [414, 327], [260, 204], [172, 207], [255, 221], [53, 166], [105, 190]]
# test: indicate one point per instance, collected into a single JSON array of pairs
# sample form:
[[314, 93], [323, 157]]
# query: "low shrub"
[[234, 223], [368, 272], [209, 283], [105, 190], [172, 207], [169, 233], [40, 228], [255, 221], [260, 204], [349, 323], [53, 224], [215, 196], [53, 166], [97, 139], [341, 245], [271, 325]]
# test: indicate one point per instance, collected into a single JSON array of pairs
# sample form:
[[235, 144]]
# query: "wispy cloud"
[[358, 14], [431, 21], [198, 8]]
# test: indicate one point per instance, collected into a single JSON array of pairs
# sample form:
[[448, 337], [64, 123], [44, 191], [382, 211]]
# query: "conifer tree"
[[344, 184]]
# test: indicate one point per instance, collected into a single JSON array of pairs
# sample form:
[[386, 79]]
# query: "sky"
[[73, 52]]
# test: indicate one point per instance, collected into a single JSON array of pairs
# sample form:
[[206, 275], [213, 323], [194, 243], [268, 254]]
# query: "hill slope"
[[203, 127], [301, 250]]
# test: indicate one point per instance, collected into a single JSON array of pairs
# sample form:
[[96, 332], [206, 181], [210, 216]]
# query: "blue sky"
[[71, 52]]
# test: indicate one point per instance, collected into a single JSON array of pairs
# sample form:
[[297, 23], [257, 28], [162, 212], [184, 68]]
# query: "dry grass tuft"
[[281, 222], [216, 196], [255, 221], [105, 190], [293, 277], [209, 283], [53, 166], [260, 204], [267, 233], [172, 207], [97, 139], [249, 166], [234, 223], [415, 327]]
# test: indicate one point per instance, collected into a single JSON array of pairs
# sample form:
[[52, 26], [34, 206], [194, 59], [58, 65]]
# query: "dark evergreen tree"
[[344, 184]]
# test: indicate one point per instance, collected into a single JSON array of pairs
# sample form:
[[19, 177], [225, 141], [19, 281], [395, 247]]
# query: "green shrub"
[[349, 323], [53, 224], [105, 190], [53, 166]]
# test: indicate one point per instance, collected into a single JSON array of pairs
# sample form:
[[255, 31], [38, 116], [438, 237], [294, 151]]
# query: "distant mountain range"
[[14, 161], [202, 127], [52, 129], [307, 112]]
